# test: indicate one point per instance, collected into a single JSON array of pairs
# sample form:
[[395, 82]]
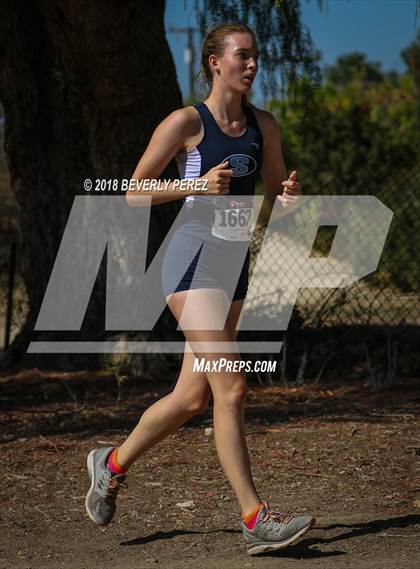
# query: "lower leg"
[[157, 422], [164, 417], [229, 430]]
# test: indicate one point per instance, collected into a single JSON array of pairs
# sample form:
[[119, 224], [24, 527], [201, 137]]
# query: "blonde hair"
[[215, 43]]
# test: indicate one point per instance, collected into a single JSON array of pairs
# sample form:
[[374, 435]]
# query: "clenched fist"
[[291, 190], [218, 179]]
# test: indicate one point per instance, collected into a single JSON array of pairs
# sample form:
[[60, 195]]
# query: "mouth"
[[249, 78]]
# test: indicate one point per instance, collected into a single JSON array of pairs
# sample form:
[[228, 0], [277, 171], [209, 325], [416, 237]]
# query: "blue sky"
[[379, 28]]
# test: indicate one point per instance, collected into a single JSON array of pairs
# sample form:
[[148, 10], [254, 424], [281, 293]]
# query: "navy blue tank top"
[[243, 152]]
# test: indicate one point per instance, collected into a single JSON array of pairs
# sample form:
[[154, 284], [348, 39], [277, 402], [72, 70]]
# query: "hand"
[[291, 190], [218, 179]]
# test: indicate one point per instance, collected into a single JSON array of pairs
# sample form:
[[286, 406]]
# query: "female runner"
[[226, 143]]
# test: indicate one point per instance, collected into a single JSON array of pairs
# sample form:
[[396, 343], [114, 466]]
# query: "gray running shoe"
[[100, 500], [275, 530]]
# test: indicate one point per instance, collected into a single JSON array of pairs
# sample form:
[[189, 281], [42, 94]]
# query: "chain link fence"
[[330, 326], [387, 297]]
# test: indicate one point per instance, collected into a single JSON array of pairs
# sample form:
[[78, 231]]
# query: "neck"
[[226, 103]]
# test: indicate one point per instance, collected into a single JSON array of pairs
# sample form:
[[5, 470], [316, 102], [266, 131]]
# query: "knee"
[[233, 398], [198, 406], [193, 405]]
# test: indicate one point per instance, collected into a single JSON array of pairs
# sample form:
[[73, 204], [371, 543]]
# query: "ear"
[[213, 63]]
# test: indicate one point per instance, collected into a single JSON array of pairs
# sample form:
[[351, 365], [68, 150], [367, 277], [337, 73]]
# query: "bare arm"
[[273, 171], [168, 139]]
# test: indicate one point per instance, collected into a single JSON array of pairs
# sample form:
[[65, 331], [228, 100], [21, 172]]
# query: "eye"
[[244, 55]]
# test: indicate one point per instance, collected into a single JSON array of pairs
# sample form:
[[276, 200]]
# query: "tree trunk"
[[83, 85]]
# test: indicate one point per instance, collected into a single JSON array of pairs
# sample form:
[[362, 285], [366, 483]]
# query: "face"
[[239, 62]]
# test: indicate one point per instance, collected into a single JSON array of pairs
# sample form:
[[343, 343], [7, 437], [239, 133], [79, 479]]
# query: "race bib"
[[233, 223]]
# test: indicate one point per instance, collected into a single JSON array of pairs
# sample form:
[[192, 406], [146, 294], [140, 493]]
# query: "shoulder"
[[186, 121], [266, 121]]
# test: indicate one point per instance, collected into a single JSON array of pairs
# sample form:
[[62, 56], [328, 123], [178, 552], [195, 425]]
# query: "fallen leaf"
[[187, 504]]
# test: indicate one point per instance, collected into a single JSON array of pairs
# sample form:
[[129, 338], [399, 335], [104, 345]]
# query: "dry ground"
[[345, 455]]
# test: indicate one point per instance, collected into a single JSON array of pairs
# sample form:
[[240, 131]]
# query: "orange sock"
[[251, 518], [113, 464]]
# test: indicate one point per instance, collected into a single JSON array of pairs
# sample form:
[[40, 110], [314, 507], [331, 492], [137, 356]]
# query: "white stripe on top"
[[189, 165]]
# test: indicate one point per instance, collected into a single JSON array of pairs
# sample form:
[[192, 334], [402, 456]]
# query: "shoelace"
[[277, 516], [114, 485]]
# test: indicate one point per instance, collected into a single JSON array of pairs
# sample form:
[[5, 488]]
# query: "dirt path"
[[340, 453]]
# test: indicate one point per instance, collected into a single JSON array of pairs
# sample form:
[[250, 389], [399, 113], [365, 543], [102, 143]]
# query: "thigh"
[[199, 310], [235, 315], [190, 310], [193, 383], [204, 316]]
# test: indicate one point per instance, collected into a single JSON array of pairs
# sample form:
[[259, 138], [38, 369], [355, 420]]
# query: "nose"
[[253, 64]]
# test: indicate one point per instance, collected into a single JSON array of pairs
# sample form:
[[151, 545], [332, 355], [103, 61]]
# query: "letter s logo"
[[242, 164]]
